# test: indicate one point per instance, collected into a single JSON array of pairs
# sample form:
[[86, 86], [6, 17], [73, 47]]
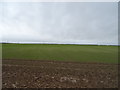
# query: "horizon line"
[[57, 43]]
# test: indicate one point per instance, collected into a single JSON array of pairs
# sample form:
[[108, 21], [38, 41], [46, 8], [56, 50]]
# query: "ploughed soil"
[[58, 74]]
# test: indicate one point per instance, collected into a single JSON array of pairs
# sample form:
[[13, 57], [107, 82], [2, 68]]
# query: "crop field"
[[80, 53], [59, 66]]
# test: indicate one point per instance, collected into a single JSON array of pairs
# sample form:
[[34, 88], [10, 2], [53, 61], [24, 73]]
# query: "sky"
[[59, 22]]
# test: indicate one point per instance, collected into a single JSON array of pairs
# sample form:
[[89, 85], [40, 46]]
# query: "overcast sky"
[[60, 22]]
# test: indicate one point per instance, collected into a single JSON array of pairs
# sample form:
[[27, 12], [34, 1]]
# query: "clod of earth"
[[29, 74]]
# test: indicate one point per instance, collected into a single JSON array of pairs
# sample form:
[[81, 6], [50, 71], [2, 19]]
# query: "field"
[[80, 53], [61, 66]]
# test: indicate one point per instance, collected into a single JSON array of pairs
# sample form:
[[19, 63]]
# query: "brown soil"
[[58, 74]]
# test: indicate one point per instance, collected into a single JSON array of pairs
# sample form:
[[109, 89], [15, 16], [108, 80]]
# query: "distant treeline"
[[57, 44]]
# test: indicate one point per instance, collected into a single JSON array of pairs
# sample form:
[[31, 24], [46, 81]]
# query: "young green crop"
[[81, 53]]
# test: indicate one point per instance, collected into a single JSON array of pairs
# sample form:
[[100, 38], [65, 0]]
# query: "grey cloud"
[[60, 22]]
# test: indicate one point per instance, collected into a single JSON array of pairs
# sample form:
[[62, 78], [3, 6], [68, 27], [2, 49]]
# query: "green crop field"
[[81, 53]]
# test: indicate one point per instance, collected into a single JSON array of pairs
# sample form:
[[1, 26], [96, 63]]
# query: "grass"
[[0, 53], [81, 53]]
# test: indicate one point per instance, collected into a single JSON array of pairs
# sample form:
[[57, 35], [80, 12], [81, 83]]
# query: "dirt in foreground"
[[58, 74]]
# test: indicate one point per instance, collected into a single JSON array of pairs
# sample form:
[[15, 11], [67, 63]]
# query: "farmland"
[[59, 66], [80, 53]]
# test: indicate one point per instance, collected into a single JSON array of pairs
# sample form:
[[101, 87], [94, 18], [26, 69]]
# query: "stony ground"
[[58, 74]]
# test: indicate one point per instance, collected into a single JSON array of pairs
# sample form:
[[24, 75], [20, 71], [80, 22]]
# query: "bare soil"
[[58, 74]]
